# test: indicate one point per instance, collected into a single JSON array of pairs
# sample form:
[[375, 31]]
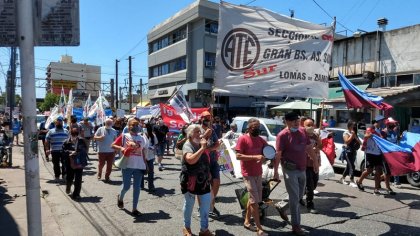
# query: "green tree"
[[49, 101]]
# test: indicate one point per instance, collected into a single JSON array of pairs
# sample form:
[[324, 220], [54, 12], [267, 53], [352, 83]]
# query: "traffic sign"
[[8, 23], [56, 23]]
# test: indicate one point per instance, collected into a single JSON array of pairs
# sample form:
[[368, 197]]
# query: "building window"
[[416, 79], [169, 67], [212, 26], [168, 39], [404, 80], [208, 80], [209, 59]]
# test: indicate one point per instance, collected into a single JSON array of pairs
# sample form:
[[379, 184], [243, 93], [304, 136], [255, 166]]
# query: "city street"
[[342, 210]]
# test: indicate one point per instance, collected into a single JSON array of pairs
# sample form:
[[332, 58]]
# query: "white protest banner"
[[225, 154], [261, 52]]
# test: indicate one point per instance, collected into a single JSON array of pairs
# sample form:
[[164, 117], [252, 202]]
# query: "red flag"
[[173, 120]]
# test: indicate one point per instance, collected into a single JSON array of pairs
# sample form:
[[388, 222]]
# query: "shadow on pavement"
[[8, 225], [113, 182], [89, 172], [92, 199], [150, 217], [224, 199], [324, 232], [397, 229], [161, 192], [334, 195]]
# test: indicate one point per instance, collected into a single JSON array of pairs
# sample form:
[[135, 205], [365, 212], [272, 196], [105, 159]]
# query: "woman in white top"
[[132, 145], [152, 141]]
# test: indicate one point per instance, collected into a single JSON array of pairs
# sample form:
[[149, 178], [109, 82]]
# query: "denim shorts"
[[160, 149]]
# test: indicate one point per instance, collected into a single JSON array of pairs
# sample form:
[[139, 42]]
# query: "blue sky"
[[112, 29]]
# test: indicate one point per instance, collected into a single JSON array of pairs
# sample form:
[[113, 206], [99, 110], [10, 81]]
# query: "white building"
[[82, 78]]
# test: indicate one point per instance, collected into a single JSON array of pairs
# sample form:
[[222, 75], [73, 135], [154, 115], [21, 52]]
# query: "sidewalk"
[[13, 215]]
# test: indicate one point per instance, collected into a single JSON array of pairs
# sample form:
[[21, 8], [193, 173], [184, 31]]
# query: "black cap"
[[291, 116]]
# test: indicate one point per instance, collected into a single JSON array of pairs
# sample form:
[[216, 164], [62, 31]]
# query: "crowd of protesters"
[[143, 142]]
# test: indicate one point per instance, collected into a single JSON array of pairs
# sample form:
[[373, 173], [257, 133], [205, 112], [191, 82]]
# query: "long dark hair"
[[150, 133]]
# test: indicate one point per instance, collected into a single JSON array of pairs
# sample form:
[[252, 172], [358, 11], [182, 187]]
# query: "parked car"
[[39, 119], [339, 142], [269, 127], [412, 178]]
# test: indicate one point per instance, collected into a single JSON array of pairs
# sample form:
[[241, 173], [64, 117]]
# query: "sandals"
[[250, 227]]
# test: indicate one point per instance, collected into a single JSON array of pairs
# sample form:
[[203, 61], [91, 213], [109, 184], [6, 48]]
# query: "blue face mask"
[[293, 129]]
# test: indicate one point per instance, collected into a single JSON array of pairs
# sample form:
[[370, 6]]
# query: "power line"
[[373, 8], [135, 46], [328, 14]]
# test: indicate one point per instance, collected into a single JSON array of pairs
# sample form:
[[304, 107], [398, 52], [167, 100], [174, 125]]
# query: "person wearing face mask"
[[231, 134], [160, 129], [195, 180], [152, 141], [249, 152], [132, 145], [105, 136], [313, 162], [72, 147], [54, 140], [292, 144], [351, 145]]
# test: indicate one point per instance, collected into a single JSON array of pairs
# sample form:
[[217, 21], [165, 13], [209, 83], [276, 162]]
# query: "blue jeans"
[[189, 201], [137, 177]]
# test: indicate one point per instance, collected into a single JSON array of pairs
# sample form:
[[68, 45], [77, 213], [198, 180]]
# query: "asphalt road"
[[343, 210]]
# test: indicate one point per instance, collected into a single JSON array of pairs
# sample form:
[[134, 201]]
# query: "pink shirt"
[[293, 146], [248, 145]]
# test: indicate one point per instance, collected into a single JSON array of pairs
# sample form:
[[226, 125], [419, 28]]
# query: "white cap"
[[379, 117]]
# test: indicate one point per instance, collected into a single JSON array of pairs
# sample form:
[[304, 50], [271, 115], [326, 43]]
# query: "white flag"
[[69, 108], [263, 53], [181, 106], [53, 115], [86, 108]]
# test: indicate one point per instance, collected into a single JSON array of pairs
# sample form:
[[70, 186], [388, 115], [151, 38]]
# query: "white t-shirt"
[[135, 161]]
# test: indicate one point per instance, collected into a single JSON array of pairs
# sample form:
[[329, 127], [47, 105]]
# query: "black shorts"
[[386, 169], [373, 160]]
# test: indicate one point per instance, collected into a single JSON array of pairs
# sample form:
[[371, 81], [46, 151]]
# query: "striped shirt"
[[56, 138]]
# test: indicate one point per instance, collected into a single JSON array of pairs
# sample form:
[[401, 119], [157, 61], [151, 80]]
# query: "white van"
[[269, 127]]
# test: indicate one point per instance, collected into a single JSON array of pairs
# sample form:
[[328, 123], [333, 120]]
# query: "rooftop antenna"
[[292, 13]]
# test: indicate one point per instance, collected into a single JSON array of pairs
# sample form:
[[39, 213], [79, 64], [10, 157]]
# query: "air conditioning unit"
[[209, 64]]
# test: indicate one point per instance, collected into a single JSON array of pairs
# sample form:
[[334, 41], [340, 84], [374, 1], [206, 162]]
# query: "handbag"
[[121, 162]]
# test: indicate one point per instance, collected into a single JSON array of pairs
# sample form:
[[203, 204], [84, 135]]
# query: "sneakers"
[[388, 192], [68, 189], [136, 213], [160, 167], [360, 186], [353, 185], [120, 203], [215, 213], [302, 202], [342, 181], [376, 192], [186, 231], [297, 230]]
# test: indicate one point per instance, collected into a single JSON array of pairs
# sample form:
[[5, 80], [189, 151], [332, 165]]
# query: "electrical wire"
[[370, 12], [328, 14]]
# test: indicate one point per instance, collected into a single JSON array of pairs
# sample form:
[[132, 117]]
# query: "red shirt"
[[248, 145], [293, 146]]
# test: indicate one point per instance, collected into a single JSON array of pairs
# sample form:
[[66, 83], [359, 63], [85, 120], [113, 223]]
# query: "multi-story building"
[[83, 79], [182, 51]]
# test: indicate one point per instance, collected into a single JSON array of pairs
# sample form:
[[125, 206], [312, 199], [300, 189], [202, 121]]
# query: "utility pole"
[[25, 37], [12, 92], [121, 95], [116, 83], [141, 92], [112, 93], [130, 85]]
